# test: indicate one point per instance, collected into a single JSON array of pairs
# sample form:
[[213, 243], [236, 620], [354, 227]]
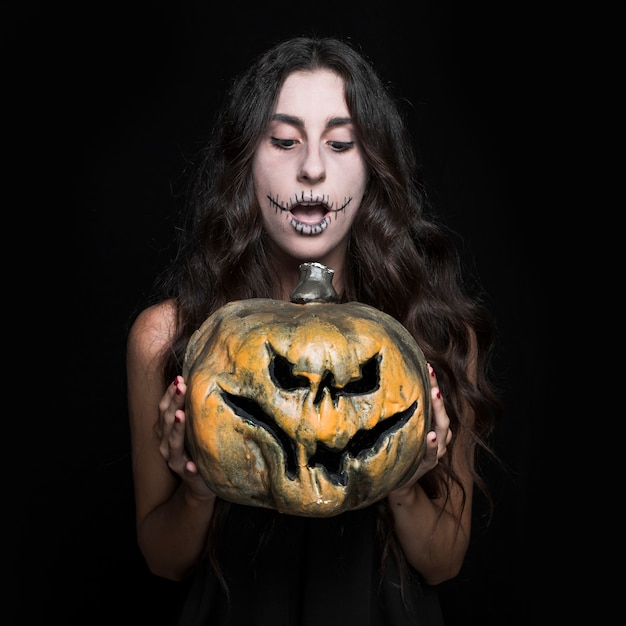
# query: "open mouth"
[[310, 215], [309, 218]]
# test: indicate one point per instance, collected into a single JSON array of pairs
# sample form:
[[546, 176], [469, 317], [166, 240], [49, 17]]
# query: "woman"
[[310, 161]]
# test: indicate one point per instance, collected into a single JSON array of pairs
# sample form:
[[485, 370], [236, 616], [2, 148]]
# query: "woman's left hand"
[[437, 440]]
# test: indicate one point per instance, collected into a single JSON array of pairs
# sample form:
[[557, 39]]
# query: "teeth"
[[310, 229]]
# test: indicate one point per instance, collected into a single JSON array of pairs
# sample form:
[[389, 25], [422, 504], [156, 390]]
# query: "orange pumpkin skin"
[[310, 409]]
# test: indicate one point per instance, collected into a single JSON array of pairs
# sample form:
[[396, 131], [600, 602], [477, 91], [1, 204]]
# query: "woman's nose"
[[312, 168]]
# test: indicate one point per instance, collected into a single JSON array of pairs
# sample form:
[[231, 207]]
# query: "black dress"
[[306, 572]]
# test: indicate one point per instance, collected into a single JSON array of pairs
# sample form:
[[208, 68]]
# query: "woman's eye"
[[341, 146], [285, 144]]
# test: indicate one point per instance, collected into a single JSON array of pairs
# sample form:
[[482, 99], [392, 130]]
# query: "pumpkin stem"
[[314, 285]]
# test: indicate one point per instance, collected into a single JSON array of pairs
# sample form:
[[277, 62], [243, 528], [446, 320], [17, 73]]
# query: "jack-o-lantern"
[[310, 407]]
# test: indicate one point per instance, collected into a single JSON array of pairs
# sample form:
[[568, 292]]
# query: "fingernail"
[[177, 419], [438, 394]]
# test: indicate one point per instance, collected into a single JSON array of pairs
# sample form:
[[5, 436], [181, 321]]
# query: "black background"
[[110, 101]]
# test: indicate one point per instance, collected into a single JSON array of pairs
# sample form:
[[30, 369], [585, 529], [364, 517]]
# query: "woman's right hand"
[[172, 445]]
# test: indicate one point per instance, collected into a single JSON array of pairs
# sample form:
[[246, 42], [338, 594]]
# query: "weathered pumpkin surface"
[[311, 409]]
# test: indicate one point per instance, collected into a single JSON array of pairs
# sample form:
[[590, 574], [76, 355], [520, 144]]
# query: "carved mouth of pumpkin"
[[364, 443]]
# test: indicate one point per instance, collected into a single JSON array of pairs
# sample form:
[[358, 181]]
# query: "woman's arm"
[[173, 505], [434, 533]]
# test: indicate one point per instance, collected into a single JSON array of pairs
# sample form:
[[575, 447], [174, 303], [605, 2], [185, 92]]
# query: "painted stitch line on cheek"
[[311, 199], [287, 206]]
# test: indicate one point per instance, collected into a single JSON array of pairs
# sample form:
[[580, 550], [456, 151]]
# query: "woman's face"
[[309, 172]]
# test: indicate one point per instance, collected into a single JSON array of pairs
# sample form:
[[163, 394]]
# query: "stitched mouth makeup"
[[309, 215]]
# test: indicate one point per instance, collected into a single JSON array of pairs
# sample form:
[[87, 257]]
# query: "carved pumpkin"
[[309, 407]]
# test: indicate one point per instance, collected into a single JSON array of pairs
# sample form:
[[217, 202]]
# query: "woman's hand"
[[437, 440], [172, 446]]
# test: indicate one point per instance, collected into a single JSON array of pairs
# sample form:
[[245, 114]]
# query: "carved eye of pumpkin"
[[310, 407], [281, 372]]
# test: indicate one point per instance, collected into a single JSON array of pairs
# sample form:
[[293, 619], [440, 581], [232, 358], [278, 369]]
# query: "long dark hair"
[[400, 259]]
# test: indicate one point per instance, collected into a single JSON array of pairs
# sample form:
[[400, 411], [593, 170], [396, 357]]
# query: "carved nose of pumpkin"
[[328, 423]]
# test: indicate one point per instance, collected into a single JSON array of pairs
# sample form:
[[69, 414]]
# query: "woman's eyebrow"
[[299, 122], [288, 119], [339, 121]]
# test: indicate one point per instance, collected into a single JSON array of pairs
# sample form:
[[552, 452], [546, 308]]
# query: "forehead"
[[315, 93]]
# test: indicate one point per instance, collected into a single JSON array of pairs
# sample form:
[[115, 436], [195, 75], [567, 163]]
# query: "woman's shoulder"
[[153, 328]]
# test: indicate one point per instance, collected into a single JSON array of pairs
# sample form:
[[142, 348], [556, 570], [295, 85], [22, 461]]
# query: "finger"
[[441, 421], [176, 439], [173, 400], [430, 455], [180, 390], [433, 377], [191, 468], [437, 401], [432, 444], [440, 416], [173, 446], [177, 435]]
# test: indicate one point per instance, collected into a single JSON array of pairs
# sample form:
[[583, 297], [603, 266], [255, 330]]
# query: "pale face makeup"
[[309, 172]]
